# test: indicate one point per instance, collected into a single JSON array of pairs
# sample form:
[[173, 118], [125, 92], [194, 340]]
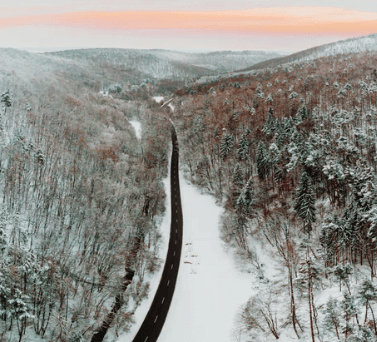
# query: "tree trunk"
[[366, 311], [119, 300], [336, 329], [310, 297], [374, 320], [293, 306]]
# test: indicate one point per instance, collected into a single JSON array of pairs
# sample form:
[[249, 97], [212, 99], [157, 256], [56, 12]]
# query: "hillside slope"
[[138, 63], [221, 61], [81, 200], [167, 64], [352, 45], [290, 154]]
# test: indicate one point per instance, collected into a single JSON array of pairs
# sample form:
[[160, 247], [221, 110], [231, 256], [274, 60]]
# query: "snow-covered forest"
[[287, 152], [290, 153], [351, 45], [157, 64], [81, 203]]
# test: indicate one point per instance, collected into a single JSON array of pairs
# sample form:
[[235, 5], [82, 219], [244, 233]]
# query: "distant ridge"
[[351, 45], [161, 63]]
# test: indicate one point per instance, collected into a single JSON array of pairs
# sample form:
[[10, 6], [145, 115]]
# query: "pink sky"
[[295, 22]]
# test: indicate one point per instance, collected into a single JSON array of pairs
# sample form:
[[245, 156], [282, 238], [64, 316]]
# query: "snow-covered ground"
[[137, 127], [171, 107], [207, 295], [209, 289], [105, 93], [158, 99]]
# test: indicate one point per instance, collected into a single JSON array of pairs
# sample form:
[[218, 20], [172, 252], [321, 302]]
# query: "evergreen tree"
[[298, 118], [332, 316], [263, 162], [343, 272], [6, 100], [226, 144], [367, 292], [2, 132], [3, 235], [238, 175], [275, 154], [363, 334], [288, 127], [245, 199], [305, 200], [271, 123], [302, 114], [243, 148], [20, 311], [349, 310], [333, 240], [249, 193]]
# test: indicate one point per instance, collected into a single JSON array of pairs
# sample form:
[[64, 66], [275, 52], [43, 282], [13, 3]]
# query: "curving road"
[[155, 319]]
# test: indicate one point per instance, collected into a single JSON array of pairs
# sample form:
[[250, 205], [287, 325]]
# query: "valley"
[[277, 174]]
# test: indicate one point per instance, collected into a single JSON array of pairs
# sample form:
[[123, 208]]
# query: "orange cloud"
[[295, 20]]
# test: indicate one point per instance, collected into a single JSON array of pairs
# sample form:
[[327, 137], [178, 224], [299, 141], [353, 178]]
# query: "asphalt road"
[[155, 319]]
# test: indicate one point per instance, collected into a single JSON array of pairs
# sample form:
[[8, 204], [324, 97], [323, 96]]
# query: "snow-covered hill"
[[353, 45]]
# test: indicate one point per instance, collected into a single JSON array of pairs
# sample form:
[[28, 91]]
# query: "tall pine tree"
[[304, 206], [6, 100], [271, 123], [263, 162], [226, 144], [243, 148]]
